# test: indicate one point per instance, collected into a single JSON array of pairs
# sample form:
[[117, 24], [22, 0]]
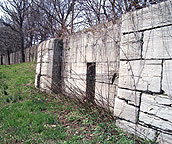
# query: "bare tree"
[[16, 11], [60, 14]]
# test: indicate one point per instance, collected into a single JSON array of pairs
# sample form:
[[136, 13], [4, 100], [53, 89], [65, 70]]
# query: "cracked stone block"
[[140, 75], [107, 72], [164, 138], [131, 96], [100, 44], [152, 105], [155, 121], [157, 43], [167, 78], [149, 17], [139, 130], [131, 45], [125, 111]]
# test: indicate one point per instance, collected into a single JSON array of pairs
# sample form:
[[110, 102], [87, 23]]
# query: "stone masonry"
[[144, 102], [48, 69], [127, 66], [98, 46]]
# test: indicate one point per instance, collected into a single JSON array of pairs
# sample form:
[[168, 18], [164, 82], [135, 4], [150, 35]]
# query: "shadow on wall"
[[138, 51]]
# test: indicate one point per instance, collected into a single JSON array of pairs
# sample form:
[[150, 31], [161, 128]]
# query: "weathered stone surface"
[[48, 64], [45, 83], [125, 111], [99, 44], [152, 105], [139, 130], [44, 69], [150, 17], [155, 121], [131, 96], [45, 56], [131, 46], [157, 43], [77, 70], [105, 94], [75, 85], [141, 75], [165, 138], [107, 72], [167, 78]]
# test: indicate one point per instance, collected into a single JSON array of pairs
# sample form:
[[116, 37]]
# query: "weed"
[[30, 116]]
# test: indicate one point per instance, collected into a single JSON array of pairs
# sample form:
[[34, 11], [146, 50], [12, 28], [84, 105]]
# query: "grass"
[[30, 116]]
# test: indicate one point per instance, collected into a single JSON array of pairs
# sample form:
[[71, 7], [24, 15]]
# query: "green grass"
[[30, 116]]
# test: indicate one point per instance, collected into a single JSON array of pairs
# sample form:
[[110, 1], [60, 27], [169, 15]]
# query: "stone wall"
[[144, 101], [48, 69], [15, 57], [139, 52], [97, 47]]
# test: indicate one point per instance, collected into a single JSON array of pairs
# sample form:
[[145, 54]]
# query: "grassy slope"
[[29, 116]]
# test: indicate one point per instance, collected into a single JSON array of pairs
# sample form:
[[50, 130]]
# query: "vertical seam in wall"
[[138, 114], [141, 44], [162, 68], [40, 69]]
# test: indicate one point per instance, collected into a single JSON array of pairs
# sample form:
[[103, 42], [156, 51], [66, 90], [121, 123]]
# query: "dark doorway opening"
[[90, 87]]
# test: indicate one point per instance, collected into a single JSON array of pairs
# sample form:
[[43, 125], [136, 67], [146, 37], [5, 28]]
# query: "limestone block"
[[44, 69], [131, 96], [157, 43], [164, 138], [45, 83], [89, 53], [75, 85], [111, 52], [125, 111], [78, 69], [80, 54], [155, 121], [107, 52], [149, 17], [126, 126], [106, 67], [105, 94], [45, 56], [139, 130], [152, 105], [106, 71], [167, 78], [131, 46], [141, 75], [73, 52]]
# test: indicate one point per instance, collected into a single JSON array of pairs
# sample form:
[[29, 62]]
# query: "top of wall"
[[96, 30], [158, 15]]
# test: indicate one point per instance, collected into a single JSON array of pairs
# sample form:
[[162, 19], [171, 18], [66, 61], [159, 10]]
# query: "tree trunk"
[[1, 60], [8, 55], [22, 49]]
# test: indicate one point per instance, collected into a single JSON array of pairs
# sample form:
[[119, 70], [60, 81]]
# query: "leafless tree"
[[15, 16]]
